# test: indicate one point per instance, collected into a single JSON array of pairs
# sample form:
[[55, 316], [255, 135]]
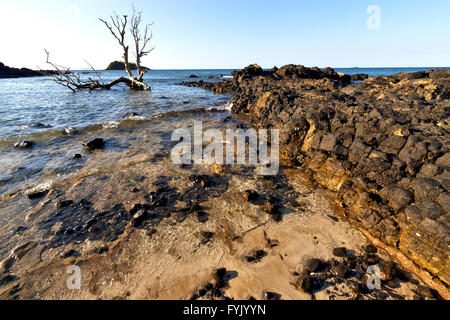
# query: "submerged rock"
[[24, 144], [95, 144]]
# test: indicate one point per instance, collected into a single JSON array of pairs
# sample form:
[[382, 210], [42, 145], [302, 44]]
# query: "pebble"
[[221, 273], [138, 218], [103, 250], [65, 203], [206, 236], [250, 195], [370, 249], [151, 232], [313, 265], [202, 216], [272, 296], [340, 252]]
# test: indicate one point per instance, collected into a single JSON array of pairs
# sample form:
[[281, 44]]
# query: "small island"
[[117, 65]]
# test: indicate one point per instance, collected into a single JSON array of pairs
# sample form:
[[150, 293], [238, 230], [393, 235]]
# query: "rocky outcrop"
[[223, 86], [381, 145]]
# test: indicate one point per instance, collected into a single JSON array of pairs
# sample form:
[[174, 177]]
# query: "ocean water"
[[35, 105], [373, 72]]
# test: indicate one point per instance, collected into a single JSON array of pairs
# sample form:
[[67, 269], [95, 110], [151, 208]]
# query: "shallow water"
[[131, 123]]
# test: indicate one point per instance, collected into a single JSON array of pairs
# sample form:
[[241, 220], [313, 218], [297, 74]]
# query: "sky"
[[217, 34]]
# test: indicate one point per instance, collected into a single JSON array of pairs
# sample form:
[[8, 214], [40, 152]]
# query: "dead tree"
[[118, 28], [141, 41]]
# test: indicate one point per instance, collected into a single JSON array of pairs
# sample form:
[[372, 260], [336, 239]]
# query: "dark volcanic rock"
[[313, 265], [138, 218], [202, 216], [7, 279], [223, 86], [65, 203]]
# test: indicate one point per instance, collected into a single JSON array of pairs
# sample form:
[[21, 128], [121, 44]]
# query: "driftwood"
[[118, 28]]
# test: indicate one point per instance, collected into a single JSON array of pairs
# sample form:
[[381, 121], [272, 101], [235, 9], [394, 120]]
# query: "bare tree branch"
[[140, 41], [119, 31], [95, 71]]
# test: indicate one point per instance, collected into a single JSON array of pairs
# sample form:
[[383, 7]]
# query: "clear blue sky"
[[232, 33]]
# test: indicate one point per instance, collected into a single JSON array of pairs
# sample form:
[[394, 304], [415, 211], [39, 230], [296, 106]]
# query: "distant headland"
[[7, 72]]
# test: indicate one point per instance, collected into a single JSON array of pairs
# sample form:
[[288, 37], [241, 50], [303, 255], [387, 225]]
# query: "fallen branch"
[[118, 28]]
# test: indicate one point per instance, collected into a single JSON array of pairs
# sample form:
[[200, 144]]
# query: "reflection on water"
[[28, 101]]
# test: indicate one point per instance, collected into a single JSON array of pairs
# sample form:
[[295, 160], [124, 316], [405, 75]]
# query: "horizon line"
[[268, 68]]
